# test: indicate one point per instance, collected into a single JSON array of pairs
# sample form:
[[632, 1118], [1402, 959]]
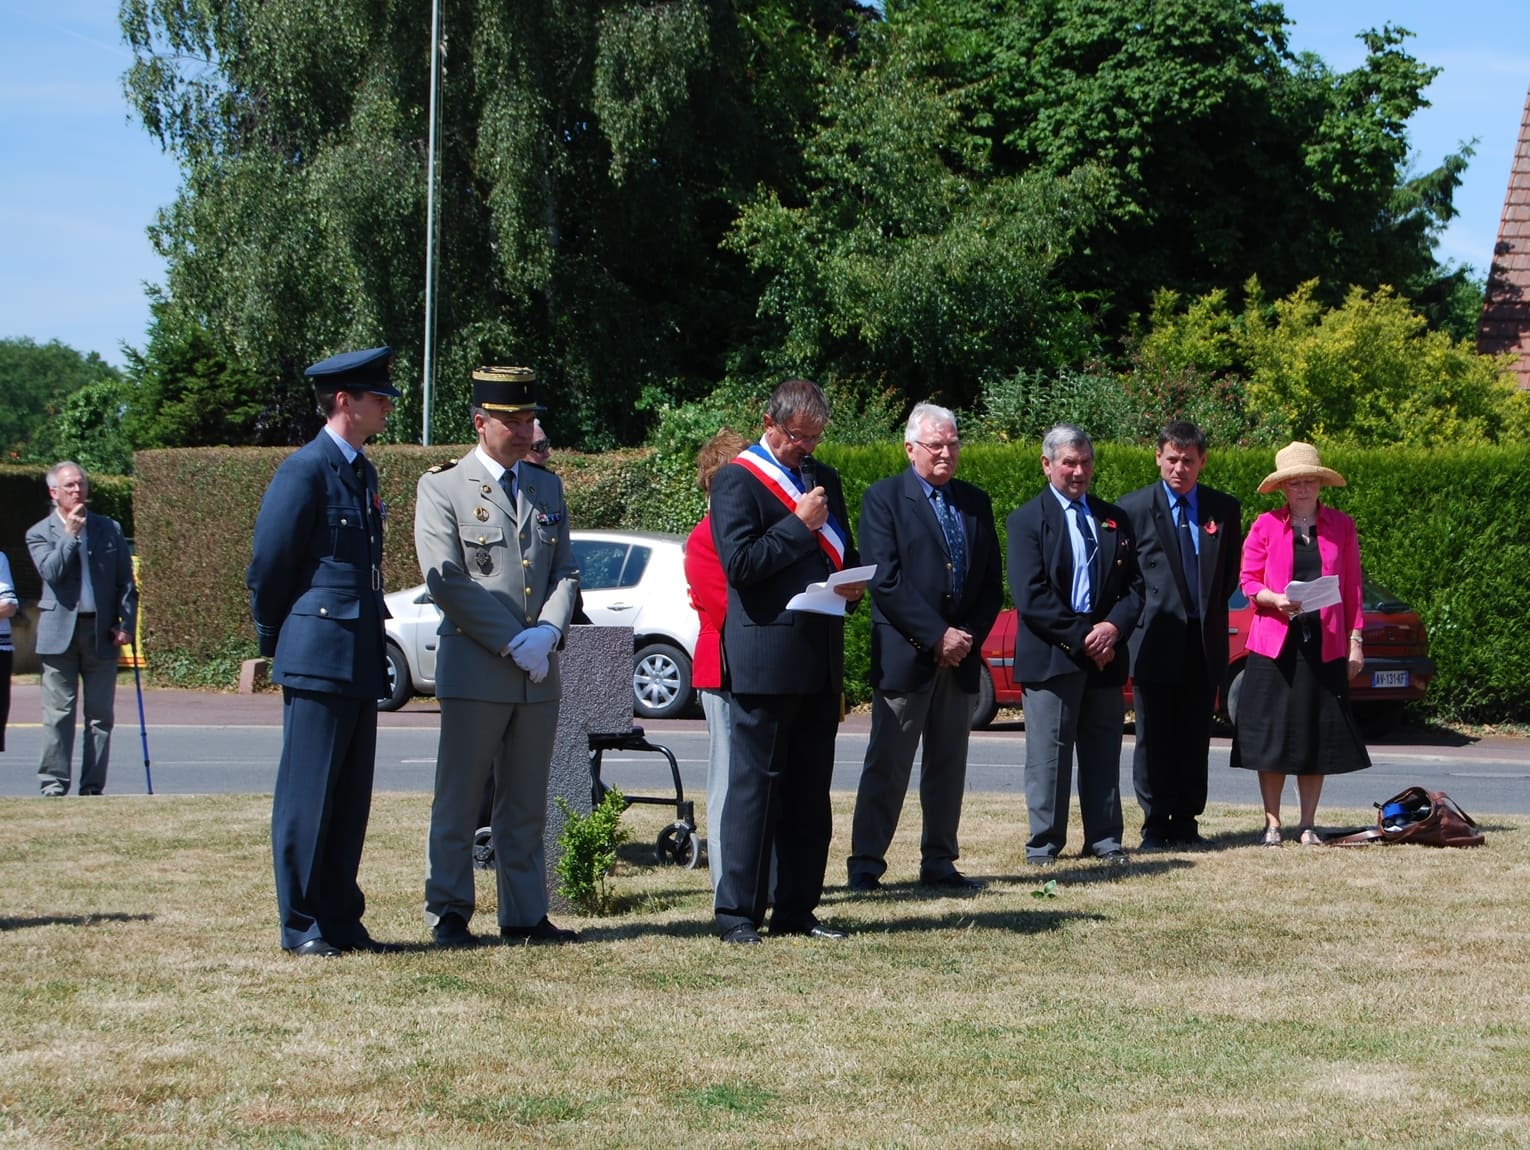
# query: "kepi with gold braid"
[[505, 389]]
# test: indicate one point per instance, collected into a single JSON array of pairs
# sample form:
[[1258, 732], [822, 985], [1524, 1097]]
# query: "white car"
[[628, 579]]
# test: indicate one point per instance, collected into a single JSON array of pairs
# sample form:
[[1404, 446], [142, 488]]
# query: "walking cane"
[[143, 728]]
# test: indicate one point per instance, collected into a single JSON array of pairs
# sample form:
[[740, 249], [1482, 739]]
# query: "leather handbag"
[[1416, 815]]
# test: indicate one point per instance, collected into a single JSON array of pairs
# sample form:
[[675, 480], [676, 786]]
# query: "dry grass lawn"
[[1235, 997]]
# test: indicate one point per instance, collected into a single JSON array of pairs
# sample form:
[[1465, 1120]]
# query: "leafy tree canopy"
[[35, 380]]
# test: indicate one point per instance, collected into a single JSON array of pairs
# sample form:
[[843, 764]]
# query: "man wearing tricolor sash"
[[779, 522]]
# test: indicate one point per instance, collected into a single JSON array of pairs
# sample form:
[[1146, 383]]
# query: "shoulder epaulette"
[[447, 466]]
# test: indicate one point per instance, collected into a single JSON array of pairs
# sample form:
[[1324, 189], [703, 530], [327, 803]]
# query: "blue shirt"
[[1194, 501], [1080, 593]]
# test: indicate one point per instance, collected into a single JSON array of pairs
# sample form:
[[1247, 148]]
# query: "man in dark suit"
[[934, 597], [88, 610], [315, 584], [492, 535], [1073, 573], [779, 522], [1189, 542]]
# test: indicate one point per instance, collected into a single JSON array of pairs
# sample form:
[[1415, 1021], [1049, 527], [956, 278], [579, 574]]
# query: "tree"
[[187, 394], [1224, 155], [590, 157], [35, 380], [1369, 372], [909, 265]]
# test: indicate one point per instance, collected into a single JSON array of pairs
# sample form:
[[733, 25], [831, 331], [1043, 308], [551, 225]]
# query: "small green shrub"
[[589, 845]]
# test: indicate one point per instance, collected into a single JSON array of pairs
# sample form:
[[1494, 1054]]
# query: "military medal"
[[484, 560]]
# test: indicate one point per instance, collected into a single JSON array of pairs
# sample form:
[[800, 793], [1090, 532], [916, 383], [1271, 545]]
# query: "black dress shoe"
[[543, 931], [451, 931], [812, 929], [743, 932], [865, 884], [954, 881], [366, 944], [1191, 842], [1155, 843], [1115, 857], [54, 791], [315, 948]]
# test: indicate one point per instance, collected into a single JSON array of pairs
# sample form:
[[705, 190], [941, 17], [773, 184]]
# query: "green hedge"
[[1449, 532]]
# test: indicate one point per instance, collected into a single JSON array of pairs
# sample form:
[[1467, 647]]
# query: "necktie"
[[956, 542], [507, 482], [1188, 559], [359, 466], [1091, 545]]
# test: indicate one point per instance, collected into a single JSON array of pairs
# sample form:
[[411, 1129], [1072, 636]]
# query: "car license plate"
[[1389, 679]]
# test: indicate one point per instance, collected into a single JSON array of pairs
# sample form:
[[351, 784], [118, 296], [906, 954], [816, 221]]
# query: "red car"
[[1397, 663]]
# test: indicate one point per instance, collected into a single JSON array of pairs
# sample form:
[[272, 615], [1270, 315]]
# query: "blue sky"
[[81, 182]]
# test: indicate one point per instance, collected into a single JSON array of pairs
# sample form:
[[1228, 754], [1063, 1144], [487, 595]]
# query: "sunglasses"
[[540, 445]]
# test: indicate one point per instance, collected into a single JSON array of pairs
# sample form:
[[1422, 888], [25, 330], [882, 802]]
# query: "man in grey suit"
[[491, 531], [1189, 545], [934, 598], [88, 610], [1073, 573]]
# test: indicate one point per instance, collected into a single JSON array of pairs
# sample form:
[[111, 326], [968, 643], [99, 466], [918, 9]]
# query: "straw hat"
[[1299, 461]]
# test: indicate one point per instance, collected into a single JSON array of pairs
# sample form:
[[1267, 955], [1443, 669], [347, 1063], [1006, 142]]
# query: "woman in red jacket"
[[709, 595], [1293, 707]]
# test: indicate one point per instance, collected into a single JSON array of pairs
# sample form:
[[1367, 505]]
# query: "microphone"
[[809, 469]]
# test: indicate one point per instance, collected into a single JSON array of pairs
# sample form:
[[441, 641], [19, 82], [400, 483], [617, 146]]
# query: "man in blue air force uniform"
[[315, 584]]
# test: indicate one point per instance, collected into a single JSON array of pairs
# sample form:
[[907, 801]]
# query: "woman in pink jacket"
[[1293, 706]]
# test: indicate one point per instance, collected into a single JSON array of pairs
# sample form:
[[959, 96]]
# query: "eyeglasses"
[[796, 437], [942, 445], [540, 446]]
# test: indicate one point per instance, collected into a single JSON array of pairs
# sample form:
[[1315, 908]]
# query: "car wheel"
[[986, 706], [661, 681], [400, 687], [1234, 689]]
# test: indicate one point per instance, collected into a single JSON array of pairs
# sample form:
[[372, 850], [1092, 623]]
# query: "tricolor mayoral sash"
[[781, 483]]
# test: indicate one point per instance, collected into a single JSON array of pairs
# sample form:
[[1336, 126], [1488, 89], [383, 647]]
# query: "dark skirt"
[[1294, 716]]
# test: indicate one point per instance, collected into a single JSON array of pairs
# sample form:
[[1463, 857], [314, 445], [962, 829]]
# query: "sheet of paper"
[[822, 598], [1316, 593]]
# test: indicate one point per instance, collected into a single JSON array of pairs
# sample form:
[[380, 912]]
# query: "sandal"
[[1310, 837], [1271, 837]]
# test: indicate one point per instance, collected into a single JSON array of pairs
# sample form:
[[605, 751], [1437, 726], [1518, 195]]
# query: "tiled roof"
[[1505, 323]]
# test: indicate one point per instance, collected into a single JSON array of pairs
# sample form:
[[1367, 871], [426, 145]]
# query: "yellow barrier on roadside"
[[130, 655]]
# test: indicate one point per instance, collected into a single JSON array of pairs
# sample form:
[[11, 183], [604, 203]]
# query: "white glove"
[[531, 648]]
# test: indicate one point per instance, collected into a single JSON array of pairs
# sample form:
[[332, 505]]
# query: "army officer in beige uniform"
[[491, 531]]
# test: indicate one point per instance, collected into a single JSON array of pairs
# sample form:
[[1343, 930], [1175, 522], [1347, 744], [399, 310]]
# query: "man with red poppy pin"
[[1189, 540], [1073, 573]]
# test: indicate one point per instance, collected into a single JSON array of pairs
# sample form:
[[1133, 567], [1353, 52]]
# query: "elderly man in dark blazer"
[[492, 535], [315, 583], [1189, 541], [937, 590], [88, 610], [779, 522], [1073, 573]]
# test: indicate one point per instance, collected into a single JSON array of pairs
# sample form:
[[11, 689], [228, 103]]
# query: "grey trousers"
[[62, 675], [714, 705], [515, 741], [1064, 714], [940, 715]]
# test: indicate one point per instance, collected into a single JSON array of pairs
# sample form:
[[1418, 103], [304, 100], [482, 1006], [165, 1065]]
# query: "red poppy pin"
[[1110, 524], [1209, 527]]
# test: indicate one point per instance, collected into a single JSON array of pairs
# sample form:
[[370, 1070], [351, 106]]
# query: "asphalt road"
[[203, 743]]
